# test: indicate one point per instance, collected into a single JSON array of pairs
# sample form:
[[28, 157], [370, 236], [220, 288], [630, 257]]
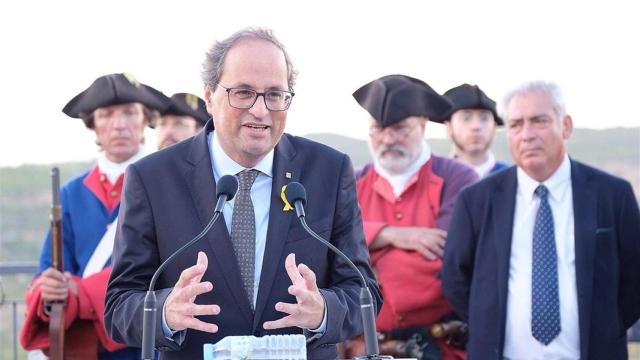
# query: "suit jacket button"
[[399, 215]]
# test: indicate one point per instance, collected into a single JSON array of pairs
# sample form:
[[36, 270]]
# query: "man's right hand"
[[427, 241], [54, 285], [180, 308]]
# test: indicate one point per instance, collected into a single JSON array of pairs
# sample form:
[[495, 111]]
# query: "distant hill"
[[25, 190]]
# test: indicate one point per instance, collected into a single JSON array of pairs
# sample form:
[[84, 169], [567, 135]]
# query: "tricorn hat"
[[185, 104], [115, 89], [468, 96], [393, 98]]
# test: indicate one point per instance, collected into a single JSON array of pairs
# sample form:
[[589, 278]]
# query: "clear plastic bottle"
[[270, 347]]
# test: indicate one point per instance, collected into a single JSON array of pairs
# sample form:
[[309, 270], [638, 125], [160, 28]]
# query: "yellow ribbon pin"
[[287, 206]]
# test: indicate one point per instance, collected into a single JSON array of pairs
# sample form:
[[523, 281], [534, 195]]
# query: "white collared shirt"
[[519, 342], [260, 196], [399, 182]]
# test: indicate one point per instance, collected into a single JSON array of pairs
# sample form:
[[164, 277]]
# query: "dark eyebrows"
[[540, 117], [517, 120], [241, 86]]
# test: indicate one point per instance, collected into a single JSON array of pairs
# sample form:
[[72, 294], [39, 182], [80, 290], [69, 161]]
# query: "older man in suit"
[[541, 259], [260, 276]]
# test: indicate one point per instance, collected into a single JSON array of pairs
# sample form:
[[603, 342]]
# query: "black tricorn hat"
[[185, 104], [468, 96], [393, 98], [115, 89]]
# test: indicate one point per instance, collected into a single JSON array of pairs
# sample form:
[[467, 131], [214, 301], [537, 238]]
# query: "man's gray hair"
[[551, 89], [213, 64]]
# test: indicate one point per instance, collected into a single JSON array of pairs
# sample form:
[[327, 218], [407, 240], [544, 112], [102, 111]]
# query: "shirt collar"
[[557, 183], [483, 169], [224, 165], [112, 169]]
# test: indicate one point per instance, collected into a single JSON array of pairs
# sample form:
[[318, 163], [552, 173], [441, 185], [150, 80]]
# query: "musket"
[[56, 314]]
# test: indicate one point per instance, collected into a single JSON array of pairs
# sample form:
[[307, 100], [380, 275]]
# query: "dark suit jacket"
[[607, 245], [169, 197]]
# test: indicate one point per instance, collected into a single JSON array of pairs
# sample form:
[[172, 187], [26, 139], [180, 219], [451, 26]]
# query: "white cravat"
[[398, 182], [485, 168], [519, 342], [112, 169]]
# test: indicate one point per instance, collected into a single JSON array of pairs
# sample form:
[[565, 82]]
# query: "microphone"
[[296, 194], [226, 189]]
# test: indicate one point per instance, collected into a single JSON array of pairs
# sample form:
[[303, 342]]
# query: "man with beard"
[[186, 115], [407, 198], [471, 128]]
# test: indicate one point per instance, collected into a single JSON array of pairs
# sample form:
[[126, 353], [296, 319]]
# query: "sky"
[[52, 50]]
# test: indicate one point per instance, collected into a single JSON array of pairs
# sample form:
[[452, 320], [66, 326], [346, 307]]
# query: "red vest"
[[409, 283]]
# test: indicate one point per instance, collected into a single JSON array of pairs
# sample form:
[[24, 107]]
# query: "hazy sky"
[[52, 50]]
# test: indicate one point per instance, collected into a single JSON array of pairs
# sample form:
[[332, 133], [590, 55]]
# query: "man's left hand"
[[308, 311]]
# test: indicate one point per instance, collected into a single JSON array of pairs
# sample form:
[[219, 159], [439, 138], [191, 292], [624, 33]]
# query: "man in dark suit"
[[541, 259], [265, 278]]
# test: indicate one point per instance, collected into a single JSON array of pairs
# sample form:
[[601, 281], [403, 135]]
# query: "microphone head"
[[295, 192], [227, 185]]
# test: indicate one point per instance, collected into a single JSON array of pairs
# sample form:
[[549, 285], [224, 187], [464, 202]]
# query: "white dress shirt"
[[519, 342], [260, 196]]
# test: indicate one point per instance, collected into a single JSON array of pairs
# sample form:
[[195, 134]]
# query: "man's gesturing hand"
[[308, 311], [180, 309]]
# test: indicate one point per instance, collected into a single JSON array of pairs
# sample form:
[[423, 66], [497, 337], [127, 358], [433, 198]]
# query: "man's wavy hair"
[[213, 64]]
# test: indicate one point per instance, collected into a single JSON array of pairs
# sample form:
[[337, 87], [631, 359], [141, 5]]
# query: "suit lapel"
[[279, 222], [585, 207], [503, 203], [203, 189]]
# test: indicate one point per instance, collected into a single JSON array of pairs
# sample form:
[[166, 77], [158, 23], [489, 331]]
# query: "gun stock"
[[56, 315]]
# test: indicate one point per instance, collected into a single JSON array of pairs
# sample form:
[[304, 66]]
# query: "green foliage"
[[25, 200]]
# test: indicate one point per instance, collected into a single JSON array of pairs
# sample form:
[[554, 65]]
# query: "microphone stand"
[[150, 311], [366, 300], [149, 315]]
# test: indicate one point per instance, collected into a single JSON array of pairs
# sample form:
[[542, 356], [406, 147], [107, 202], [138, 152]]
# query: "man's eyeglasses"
[[243, 98]]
